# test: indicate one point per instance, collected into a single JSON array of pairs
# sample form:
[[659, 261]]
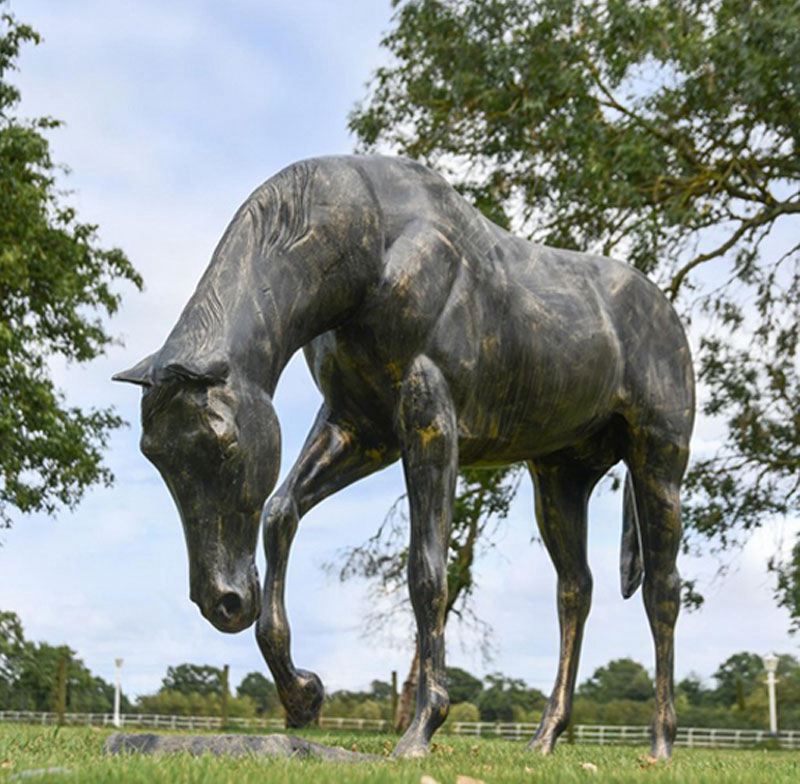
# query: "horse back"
[[540, 346]]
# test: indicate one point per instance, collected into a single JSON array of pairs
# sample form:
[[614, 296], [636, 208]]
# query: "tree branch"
[[759, 219]]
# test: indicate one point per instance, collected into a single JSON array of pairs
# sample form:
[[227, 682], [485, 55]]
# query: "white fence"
[[696, 737]]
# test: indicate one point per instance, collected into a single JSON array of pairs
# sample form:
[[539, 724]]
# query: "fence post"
[[395, 696], [61, 687], [226, 671]]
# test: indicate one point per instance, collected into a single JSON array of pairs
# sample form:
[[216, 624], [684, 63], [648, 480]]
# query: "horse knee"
[[272, 634], [662, 594], [279, 520], [575, 593]]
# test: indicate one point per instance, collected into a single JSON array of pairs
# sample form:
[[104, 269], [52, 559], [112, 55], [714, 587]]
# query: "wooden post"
[[395, 696], [224, 705], [405, 707], [61, 687]]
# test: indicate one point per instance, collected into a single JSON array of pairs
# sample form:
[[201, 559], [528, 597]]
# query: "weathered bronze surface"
[[435, 337]]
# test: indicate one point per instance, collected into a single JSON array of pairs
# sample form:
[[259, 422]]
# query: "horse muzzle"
[[231, 609]]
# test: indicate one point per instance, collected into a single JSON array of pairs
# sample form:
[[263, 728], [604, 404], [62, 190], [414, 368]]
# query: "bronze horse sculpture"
[[438, 338]]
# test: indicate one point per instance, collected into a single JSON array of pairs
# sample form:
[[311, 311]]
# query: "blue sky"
[[174, 112]]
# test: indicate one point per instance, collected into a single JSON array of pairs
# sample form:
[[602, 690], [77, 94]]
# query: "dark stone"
[[438, 338], [229, 745]]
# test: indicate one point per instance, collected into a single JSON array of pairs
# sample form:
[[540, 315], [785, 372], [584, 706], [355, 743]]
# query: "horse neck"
[[280, 277], [254, 313]]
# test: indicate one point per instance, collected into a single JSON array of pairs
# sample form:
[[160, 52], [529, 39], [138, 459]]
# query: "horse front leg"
[[334, 455], [429, 438]]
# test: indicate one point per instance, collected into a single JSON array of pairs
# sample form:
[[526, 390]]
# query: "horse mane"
[[281, 206], [275, 216]]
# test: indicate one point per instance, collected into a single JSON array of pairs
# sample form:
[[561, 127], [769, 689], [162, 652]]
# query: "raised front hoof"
[[304, 703]]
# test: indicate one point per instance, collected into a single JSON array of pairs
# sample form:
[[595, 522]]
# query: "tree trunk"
[[405, 707]]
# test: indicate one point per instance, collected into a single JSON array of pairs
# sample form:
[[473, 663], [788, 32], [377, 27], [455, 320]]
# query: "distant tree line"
[[619, 692], [28, 672]]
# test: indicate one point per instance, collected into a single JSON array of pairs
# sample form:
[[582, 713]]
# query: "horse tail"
[[630, 560]]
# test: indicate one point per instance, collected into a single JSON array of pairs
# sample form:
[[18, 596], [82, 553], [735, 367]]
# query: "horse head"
[[214, 437]]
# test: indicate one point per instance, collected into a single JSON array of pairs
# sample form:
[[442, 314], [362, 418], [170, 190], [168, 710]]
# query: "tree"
[[12, 649], [665, 132], [737, 677], [261, 690], [28, 675], [193, 679], [463, 711], [507, 699], [483, 498], [692, 688], [176, 703], [381, 690], [462, 686], [373, 704], [788, 583], [56, 283], [620, 679]]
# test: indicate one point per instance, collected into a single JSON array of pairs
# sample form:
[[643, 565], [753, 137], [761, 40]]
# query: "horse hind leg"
[[562, 496], [656, 464]]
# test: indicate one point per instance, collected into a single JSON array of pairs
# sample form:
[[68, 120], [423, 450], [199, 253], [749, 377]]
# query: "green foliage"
[[12, 648], [193, 679], [621, 679], [787, 572], [261, 690], [370, 709], [737, 677], [463, 711], [631, 713], [56, 284], [28, 675], [381, 690], [665, 132], [168, 702], [373, 704], [462, 686], [508, 699], [691, 691]]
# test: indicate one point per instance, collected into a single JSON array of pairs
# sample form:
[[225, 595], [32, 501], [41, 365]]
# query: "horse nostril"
[[230, 605]]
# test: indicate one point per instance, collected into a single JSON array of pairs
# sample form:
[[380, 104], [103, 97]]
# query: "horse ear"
[[209, 370], [140, 374]]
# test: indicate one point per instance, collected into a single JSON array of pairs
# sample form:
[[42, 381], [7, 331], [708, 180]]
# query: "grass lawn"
[[80, 750]]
